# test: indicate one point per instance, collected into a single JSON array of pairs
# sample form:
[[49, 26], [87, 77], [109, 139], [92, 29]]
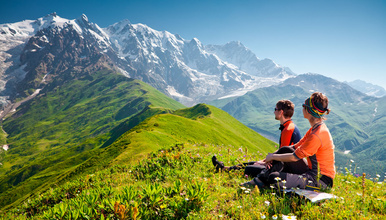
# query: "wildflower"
[[239, 206], [309, 181], [267, 203], [277, 179], [262, 216], [220, 216], [240, 149], [284, 187], [243, 188], [285, 217], [283, 181], [271, 186], [187, 199], [274, 217], [352, 161], [379, 176], [246, 176]]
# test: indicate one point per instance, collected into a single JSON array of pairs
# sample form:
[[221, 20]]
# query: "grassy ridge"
[[59, 129], [201, 123], [180, 183]]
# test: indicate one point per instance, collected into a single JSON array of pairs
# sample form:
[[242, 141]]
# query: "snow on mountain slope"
[[245, 60], [367, 88], [186, 70]]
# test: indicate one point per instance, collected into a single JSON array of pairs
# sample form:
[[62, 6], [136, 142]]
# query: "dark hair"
[[287, 106], [317, 105]]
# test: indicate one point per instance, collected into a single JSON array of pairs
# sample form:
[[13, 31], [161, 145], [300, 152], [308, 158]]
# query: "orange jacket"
[[317, 145]]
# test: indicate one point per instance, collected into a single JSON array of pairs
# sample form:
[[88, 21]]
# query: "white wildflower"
[[285, 217]]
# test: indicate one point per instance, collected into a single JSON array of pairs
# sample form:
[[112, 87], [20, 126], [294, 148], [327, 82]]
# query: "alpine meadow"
[[122, 122]]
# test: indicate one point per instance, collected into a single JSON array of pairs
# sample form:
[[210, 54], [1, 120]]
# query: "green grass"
[[201, 123], [62, 127], [179, 182]]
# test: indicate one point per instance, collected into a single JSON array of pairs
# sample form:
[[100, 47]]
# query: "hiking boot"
[[253, 183], [217, 164]]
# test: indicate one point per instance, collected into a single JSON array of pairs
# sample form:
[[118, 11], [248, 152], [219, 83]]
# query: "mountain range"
[[367, 88], [76, 98], [185, 70]]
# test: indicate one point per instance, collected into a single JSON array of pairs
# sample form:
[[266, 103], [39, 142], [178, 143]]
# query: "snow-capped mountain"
[[367, 88], [33, 51], [236, 53]]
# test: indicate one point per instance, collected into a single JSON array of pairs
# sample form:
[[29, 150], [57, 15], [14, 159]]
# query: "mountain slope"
[[367, 88], [199, 124], [59, 129], [353, 120], [36, 51]]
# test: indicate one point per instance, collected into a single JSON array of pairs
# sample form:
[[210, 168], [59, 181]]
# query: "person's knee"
[[273, 177], [285, 150]]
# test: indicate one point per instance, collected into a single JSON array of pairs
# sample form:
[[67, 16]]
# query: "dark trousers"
[[252, 170], [296, 174], [249, 168]]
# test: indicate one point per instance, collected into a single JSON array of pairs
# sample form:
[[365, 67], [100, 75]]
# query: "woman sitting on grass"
[[316, 145]]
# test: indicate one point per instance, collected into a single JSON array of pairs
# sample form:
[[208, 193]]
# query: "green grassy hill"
[[199, 124], [60, 129], [202, 124], [179, 182]]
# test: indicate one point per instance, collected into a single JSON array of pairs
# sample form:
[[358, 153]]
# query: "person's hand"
[[259, 163], [268, 165], [268, 158]]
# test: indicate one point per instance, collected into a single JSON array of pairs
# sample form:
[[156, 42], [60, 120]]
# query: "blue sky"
[[342, 39]]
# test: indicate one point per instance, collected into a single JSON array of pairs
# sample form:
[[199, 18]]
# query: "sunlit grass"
[[180, 182]]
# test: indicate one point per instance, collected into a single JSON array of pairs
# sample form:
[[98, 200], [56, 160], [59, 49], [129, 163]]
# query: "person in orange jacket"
[[317, 146], [289, 135]]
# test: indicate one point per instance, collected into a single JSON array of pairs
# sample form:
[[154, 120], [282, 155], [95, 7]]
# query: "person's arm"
[[288, 157]]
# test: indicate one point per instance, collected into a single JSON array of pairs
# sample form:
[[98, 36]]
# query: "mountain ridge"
[[182, 69]]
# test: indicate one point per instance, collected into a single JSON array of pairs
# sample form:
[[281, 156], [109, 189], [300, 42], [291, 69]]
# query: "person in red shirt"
[[289, 135], [317, 146]]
